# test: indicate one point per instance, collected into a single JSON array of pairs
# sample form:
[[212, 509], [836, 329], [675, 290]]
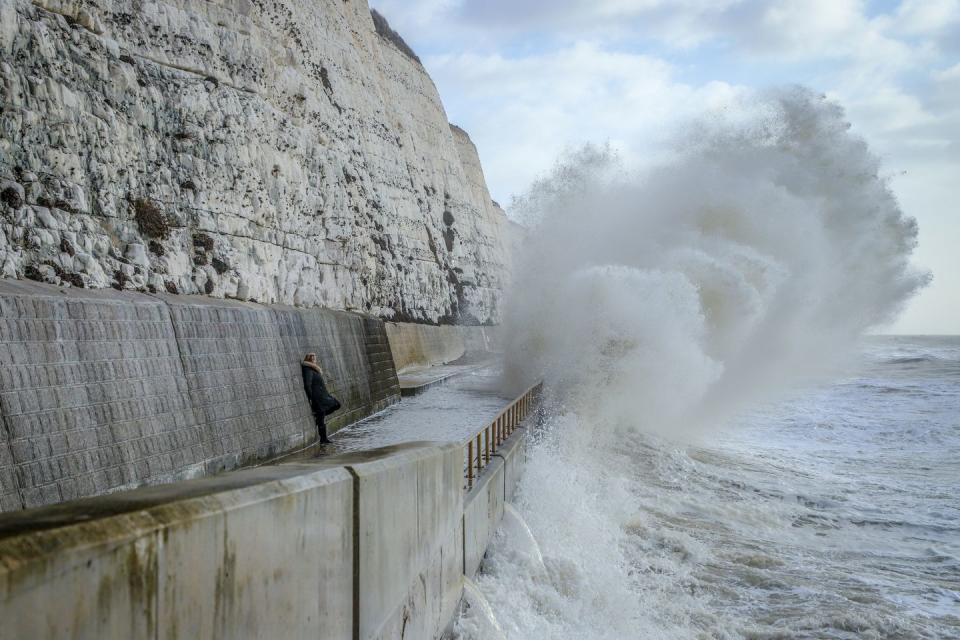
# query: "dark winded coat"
[[320, 399]]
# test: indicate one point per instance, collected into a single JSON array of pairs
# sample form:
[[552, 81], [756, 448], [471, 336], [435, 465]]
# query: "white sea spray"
[[758, 255], [658, 305]]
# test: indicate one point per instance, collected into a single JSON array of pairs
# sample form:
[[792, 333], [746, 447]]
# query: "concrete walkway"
[[451, 412]]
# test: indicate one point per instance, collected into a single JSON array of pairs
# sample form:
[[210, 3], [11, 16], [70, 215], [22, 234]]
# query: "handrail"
[[489, 438]]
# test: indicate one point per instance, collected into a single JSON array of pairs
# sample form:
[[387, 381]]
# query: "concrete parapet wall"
[[102, 390], [202, 559], [483, 506], [482, 512], [422, 345], [515, 457], [369, 545], [366, 545], [410, 542]]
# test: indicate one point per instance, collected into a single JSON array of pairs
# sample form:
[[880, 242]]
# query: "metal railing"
[[482, 446]]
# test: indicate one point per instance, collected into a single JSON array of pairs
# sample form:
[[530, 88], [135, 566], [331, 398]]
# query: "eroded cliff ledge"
[[279, 151]]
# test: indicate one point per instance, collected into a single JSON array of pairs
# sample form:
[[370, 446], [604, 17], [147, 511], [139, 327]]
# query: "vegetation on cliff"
[[387, 33]]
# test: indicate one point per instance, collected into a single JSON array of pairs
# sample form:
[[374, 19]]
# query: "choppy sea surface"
[[833, 513]]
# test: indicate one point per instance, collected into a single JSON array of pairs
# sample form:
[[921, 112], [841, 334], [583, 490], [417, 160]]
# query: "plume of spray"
[[755, 257], [750, 261]]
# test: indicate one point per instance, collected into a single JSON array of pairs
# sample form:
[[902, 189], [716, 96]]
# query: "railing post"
[[479, 456], [470, 464], [486, 438]]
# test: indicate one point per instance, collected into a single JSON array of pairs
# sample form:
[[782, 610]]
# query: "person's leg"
[[321, 426]]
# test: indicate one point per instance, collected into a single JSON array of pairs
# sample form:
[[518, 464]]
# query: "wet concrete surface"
[[451, 412]]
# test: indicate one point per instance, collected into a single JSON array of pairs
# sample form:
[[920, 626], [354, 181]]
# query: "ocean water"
[[832, 512]]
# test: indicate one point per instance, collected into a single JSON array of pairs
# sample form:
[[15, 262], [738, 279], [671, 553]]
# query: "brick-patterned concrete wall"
[[383, 375], [101, 391], [92, 393], [9, 486], [355, 370]]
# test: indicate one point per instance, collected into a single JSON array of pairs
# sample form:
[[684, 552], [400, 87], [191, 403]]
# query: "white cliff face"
[[270, 150], [482, 238]]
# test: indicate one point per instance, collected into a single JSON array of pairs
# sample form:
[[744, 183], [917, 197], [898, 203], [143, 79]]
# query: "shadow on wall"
[[102, 391]]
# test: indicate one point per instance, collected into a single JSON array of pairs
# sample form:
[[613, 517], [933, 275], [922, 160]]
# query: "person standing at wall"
[[321, 402]]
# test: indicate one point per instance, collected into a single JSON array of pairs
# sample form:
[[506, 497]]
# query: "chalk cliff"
[[279, 151]]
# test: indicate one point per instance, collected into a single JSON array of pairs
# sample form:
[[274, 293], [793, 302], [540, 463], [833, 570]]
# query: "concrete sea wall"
[[483, 506], [205, 561], [102, 391], [360, 546], [408, 541], [420, 345]]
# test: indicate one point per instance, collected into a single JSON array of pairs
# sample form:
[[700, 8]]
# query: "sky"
[[528, 79]]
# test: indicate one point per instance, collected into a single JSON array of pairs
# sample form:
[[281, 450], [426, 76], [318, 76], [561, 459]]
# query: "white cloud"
[[926, 17], [946, 90], [522, 112], [785, 28]]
